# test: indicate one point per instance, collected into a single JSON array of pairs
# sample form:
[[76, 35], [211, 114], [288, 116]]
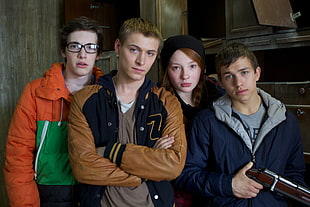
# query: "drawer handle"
[[299, 112], [302, 90], [94, 6]]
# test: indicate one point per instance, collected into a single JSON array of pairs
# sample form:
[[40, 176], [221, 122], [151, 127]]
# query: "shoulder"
[[165, 96], [163, 93], [290, 116], [206, 114], [88, 90], [85, 93], [33, 86]]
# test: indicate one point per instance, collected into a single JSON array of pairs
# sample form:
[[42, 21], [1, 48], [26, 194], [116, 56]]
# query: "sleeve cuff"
[[226, 186], [114, 152]]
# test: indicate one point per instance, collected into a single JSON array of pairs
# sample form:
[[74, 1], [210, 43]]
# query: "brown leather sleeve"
[[160, 164], [87, 166]]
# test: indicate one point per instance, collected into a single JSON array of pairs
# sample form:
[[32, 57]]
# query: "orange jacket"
[[44, 99]]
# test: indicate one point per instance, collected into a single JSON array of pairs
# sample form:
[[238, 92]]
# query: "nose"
[[185, 75], [238, 81], [82, 53], [140, 58]]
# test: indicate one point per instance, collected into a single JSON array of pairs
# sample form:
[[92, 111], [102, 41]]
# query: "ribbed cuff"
[[114, 152]]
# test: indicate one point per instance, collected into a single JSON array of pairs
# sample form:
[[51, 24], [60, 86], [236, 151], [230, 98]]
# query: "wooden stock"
[[280, 185]]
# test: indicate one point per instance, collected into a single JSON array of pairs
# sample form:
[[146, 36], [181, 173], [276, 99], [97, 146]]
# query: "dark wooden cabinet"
[[260, 24], [280, 42], [246, 18], [296, 96], [241, 20], [110, 13], [170, 16]]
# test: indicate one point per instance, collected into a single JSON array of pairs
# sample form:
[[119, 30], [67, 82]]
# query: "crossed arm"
[[164, 161]]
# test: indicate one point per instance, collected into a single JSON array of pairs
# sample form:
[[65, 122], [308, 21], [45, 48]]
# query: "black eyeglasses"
[[76, 47]]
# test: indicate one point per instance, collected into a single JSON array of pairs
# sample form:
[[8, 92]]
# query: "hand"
[[164, 142], [243, 186]]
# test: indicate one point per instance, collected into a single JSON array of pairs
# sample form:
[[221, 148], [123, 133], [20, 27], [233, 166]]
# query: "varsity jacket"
[[36, 147], [219, 146], [93, 123]]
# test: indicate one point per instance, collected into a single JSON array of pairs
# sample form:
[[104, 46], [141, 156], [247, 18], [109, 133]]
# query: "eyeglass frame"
[[82, 46]]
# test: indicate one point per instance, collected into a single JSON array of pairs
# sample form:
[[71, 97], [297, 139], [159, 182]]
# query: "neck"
[[77, 83], [187, 98], [249, 107], [127, 90]]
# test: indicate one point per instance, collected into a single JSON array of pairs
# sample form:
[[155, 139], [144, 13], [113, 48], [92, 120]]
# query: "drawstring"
[[61, 111], [43, 136]]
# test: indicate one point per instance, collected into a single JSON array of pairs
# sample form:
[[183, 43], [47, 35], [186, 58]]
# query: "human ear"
[[117, 44], [63, 54], [257, 72]]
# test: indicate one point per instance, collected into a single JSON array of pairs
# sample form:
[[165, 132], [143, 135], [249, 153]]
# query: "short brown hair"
[[82, 24], [231, 53]]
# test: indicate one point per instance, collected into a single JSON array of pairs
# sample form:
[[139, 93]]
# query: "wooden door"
[[241, 20], [275, 13], [246, 18], [170, 16]]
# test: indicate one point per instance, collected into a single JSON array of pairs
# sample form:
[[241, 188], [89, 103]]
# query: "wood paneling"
[[163, 13], [109, 13], [29, 37], [170, 17], [296, 97], [105, 13]]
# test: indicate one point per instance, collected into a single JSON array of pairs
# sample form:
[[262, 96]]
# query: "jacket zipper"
[[46, 123], [254, 162], [250, 202]]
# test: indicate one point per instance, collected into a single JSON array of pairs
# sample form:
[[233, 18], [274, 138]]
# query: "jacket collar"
[[275, 115], [107, 83], [52, 86]]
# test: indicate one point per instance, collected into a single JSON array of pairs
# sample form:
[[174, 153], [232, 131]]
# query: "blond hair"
[[147, 28]]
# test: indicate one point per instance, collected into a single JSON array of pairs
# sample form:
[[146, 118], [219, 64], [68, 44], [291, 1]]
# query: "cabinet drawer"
[[295, 93], [296, 97], [302, 113]]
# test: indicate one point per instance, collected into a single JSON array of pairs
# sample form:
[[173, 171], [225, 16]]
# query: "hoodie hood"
[[275, 114]]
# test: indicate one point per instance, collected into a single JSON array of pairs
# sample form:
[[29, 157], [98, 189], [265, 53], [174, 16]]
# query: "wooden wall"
[[29, 44]]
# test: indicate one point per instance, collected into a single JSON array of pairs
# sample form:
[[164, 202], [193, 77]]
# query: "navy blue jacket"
[[218, 147]]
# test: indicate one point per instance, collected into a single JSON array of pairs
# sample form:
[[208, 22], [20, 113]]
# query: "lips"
[[82, 64], [186, 84], [241, 92], [138, 70]]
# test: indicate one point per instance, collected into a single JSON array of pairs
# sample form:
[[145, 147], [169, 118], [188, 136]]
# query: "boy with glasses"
[[37, 168]]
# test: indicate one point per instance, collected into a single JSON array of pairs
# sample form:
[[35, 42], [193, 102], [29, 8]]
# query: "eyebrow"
[[74, 42], [225, 73], [239, 70], [242, 69], [133, 45]]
